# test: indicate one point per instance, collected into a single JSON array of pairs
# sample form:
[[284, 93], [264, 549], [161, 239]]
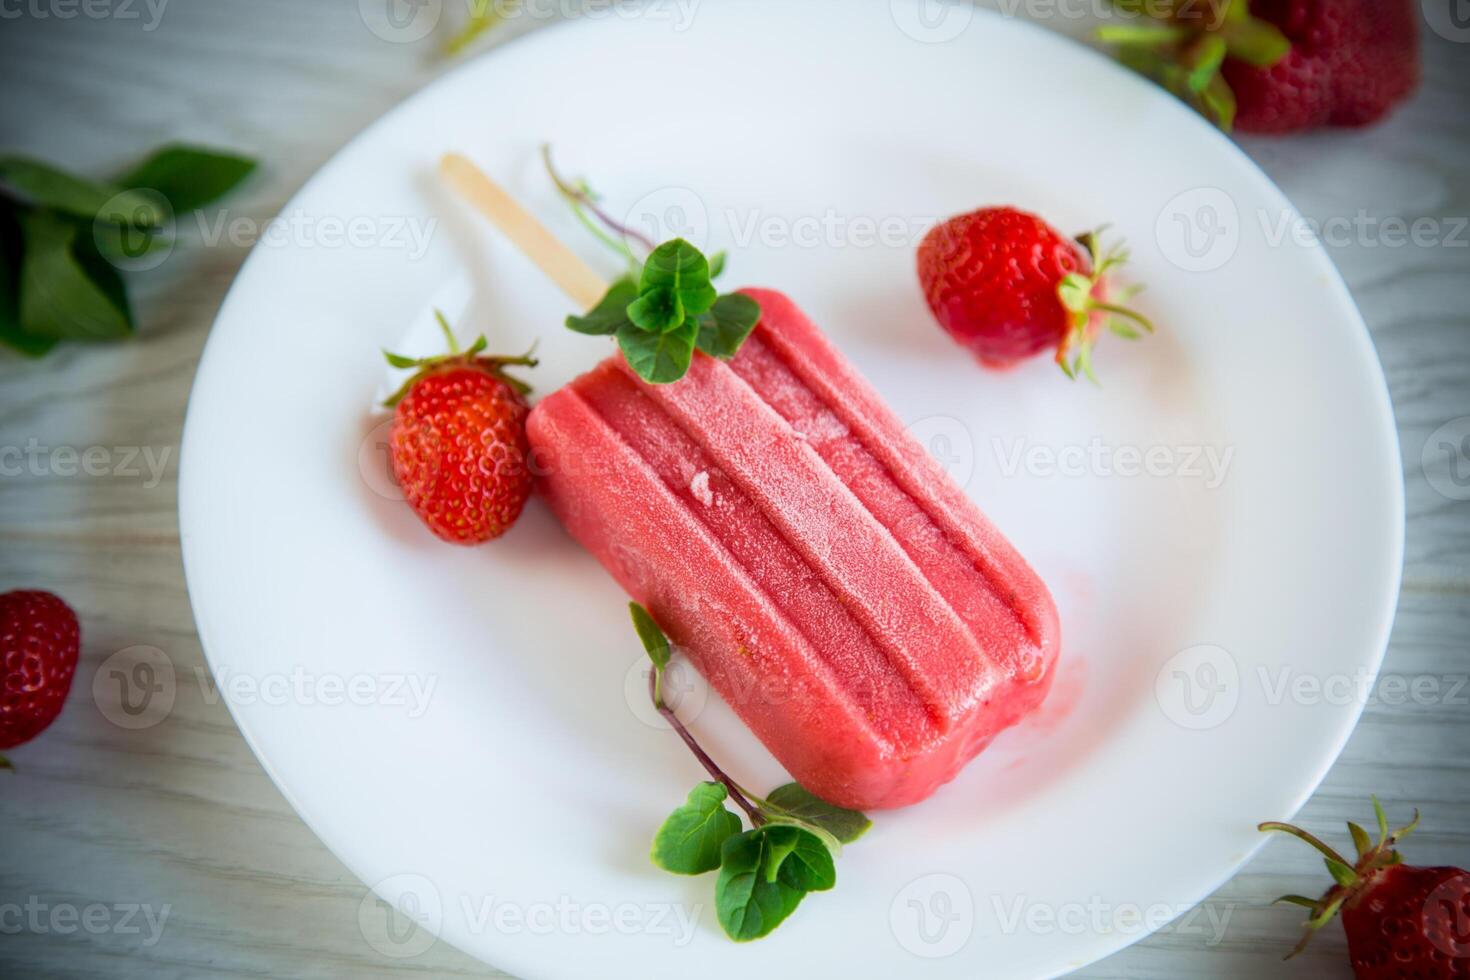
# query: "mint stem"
[[756, 817], [580, 197]]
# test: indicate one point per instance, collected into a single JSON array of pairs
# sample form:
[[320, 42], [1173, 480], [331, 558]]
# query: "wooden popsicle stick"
[[563, 266]]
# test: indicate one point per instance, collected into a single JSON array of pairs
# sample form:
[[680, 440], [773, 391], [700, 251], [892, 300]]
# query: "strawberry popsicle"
[[814, 563]]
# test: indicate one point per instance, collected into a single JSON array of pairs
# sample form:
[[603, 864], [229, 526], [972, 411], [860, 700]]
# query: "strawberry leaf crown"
[[1182, 44], [1349, 878], [469, 357], [1084, 296]]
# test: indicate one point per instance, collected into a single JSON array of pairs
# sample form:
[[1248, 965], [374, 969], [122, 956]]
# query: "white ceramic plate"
[[507, 801]]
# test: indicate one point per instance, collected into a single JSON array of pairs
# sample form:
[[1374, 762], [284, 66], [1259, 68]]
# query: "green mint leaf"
[[764, 874], [689, 841], [67, 290], [50, 187], [655, 643], [657, 311], [11, 333], [793, 800], [611, 312], [681, 269], [717, 264], [659, 358], [188, 177], [729, 321]]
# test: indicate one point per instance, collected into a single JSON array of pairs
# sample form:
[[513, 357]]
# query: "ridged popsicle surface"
[[817, 566]]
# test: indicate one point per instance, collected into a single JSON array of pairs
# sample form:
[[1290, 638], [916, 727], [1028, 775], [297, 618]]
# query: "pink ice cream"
[[816, 565]]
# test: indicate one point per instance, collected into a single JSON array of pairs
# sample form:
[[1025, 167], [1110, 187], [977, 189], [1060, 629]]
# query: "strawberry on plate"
[[1276, 66], [39, 641], [1007, 285], [1401, 921], [458, 441]]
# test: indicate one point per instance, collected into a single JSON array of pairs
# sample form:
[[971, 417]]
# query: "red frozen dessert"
[[816, 565]]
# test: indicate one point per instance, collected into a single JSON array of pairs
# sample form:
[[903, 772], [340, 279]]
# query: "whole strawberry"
[[1276, 66], [39, 640], [458, 441], [1007, 285], [1400, 921], [1350, 62]]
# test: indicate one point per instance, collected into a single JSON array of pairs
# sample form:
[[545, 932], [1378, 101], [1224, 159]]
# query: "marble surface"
[[165, 851]]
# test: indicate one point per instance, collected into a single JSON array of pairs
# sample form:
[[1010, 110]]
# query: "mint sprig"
[[671, 311], [666, 307], [62, 239], [766, 871]]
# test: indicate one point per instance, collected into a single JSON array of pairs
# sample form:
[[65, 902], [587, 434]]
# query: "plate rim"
[[1102, 944]]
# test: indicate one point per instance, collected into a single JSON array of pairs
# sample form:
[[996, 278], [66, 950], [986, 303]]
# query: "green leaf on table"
[[794, 800], [726, 325], [11, 333], [659, 358], [689, 841], [611, 312], [68, 291], [675, 286], [188, 177], [764, 875], [49, 187], [717, 264]]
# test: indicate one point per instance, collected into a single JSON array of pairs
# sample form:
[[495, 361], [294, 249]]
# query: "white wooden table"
[[105, 826]]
